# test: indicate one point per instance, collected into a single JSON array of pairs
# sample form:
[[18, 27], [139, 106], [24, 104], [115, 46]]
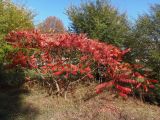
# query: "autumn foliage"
[[51, 25], [63, 59]]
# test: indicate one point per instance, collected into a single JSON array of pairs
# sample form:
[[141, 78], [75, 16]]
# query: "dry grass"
[[81, 105]]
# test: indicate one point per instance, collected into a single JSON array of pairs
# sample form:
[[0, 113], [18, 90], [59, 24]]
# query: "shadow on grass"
[[12, 106]]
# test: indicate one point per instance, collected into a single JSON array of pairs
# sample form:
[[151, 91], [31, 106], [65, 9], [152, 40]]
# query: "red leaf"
[[123, 94], [82, 71], [50, 65], [74, 72], [90, 76], [83, 58], [126, 51], [58, 73], [66, 76], [139, 85], [87, 69], [129, 81], [145, 88], [153, 81], [100, 87], [151, 86], [124, 89], [98, 91]]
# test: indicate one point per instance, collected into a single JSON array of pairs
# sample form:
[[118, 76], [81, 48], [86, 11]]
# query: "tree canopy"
[[51, 25], [145, 40], [12, 17], [99, 20]]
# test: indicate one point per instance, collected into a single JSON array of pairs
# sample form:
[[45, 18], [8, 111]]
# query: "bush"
[[63, 59]]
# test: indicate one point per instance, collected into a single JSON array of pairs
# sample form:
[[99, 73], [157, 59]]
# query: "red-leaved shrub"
[[62, 59]]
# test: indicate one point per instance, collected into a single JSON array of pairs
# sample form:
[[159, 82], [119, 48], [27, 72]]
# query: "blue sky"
[[45, 8]]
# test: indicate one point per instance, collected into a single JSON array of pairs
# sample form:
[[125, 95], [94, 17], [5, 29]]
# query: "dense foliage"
[[145, 41], [62, 59], [99, 20], [12, 17]]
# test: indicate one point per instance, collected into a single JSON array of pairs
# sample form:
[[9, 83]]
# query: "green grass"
[[83, 104]]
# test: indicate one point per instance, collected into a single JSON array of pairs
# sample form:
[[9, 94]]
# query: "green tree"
[[145, 40], [12, 17], [99, 20]]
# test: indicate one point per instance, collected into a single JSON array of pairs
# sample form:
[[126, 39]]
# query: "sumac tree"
[[62, 59]]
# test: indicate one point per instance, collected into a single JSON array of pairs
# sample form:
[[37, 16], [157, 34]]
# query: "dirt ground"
[[82, 105]]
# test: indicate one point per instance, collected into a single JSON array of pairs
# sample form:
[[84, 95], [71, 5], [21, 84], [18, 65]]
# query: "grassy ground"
[[82, 105]]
